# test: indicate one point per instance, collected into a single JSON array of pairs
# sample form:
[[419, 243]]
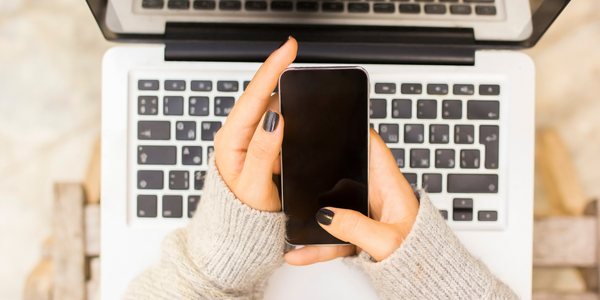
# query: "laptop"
[[449, 95]]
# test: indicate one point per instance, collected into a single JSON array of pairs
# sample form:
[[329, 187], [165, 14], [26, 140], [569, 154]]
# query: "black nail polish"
[[324, 216], [271, 121], [288, 38]]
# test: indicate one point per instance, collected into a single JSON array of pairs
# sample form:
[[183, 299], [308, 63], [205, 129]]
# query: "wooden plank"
[[38, 285], [92, 230], [68, 242], [92, 179], [562, 186], [565, 241], [556, 296]]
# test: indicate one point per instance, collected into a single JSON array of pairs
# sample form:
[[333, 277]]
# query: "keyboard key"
[[489, 136], [462, 203], [179, 180], [209, 151], [378, 108], [201, 85], [147, 105], [464, 134], [282, 5], [478, 1], [246, 84], [223, 105], [472, 183], [432, 183], [398, 156], [384, 7], [411, 88], [448, 0], [150, 180], [469, 159], [483, 110], [332, 7], [419, 158], [411, 178], [185, 130], [358, 7], [410, 9], [199, 180], [436, 9], [198, 106], [192, 205], [437, 89], [204, 5], [153, 4], [253, 5], [191, 155], [175, 85], [489, 89], [307, 6], [154, 130], [385, 88], [452, 109], [444, 158], [173, 105], [461, 10], [209, 130], [389, 132], [463, 89], [148, 85], [426, 109], [230, 5], [146, 206], [414, 133], [439, 134], [179, 4], [401, 109], [227, 86], [172, 206], [462, 215], [485, 10], [157, 155], [444, 214], [487, 215]]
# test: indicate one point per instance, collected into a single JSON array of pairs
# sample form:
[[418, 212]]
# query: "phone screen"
[[325, 150]]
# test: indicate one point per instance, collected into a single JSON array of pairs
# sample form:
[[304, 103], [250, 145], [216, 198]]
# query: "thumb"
[[376, 238], [257, 174]]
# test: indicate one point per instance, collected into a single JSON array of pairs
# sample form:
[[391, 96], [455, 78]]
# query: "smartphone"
[[325, 149]]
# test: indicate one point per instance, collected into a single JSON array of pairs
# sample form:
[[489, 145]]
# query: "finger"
[[376, 238], [248, 110], [314, 254], [263, 152]]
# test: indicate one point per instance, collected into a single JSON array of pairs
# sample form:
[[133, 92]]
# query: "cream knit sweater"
[[229, 250]]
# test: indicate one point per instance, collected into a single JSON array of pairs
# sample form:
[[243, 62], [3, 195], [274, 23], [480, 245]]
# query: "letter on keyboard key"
[[150, 180], [489, 135], [439, 134], [483, 110], [148, 85], [426, 109], [378, 108], [191, 155], [444, 158], [185, 130], [432, 183], [401, 108], [464, 134], [192, 205], [178, 180], [419, 158], [452, 109], [172, 206], [154, 130], [173, 106], [199, 180], [198, 106], [209, 130], [398, 156], [473, 183], [389, 132], [157, 155], [414, 133], [223, 105], [411, 178], [469, 159], [227, 86], [146, 206]]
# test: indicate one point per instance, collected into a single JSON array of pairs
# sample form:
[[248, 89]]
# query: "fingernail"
[[324, 216], [288, 38], [271, 121]]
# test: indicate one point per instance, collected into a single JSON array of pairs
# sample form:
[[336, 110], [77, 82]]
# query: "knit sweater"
[[229, 250]]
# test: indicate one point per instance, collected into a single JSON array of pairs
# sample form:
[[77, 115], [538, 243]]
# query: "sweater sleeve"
[[431, 264], [228, 251]]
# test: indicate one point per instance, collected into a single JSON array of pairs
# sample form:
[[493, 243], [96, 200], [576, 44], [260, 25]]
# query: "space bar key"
[[472, 183]]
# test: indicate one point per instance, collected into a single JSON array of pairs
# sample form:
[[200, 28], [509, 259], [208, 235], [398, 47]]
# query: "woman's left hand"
[[247, 146]]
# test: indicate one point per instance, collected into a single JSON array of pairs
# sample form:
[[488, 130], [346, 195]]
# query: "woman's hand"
[[393, 206], [247, 146]]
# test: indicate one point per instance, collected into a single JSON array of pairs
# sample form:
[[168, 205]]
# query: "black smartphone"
[[325, 150]]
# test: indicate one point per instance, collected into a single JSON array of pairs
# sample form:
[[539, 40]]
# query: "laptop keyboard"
[[444, 136]]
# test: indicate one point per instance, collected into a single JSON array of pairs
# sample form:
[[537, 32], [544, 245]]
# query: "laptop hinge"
[[320, 44]]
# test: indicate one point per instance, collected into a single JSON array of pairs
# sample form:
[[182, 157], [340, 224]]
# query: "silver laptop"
[[450, 98]]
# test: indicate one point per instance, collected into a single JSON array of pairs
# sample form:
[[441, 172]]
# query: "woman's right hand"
[[393, 207]]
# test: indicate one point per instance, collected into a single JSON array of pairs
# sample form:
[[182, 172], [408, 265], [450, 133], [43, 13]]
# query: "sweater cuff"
[[431, 263], [233, 244]]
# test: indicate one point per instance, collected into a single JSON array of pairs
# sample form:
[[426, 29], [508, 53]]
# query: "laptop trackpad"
[[328, 280]]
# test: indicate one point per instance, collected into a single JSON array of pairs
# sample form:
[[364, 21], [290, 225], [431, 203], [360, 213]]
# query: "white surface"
[[507, 252], [512, 22]]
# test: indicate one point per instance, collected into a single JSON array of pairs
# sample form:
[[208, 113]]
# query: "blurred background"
[[50, 71]]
